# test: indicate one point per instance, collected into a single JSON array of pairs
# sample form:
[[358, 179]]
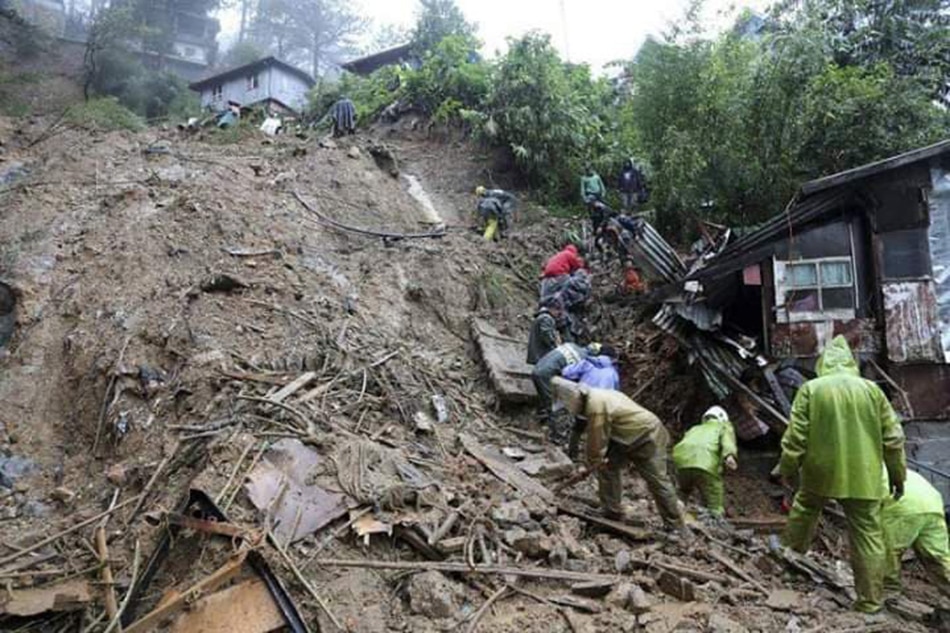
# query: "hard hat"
[[594, 348], [717, 413], [480, 190]]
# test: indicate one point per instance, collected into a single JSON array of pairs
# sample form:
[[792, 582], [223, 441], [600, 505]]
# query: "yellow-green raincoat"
[[842, 429]]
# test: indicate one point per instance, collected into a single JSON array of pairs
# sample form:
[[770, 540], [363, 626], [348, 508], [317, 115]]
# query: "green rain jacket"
[[592, 187], [706, 446], [919, 498], [841, 430]]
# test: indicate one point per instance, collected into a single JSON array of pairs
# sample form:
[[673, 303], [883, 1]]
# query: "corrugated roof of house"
[[239, 71]]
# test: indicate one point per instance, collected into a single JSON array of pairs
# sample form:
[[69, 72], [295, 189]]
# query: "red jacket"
[[564, 263]]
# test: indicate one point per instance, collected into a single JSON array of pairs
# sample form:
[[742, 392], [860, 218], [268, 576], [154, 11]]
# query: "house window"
[[816, 289], [252, 82], [217, 93]]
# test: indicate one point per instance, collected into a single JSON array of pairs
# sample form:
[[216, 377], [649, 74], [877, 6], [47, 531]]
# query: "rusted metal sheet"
[[911, 323], [72, 595], [807, 340], [927, 387], [279, 486]]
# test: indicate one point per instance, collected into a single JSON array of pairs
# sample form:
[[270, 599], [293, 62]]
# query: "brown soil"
[[118, 246]]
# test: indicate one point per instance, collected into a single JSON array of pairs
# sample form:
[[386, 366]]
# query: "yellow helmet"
[[480, 190]]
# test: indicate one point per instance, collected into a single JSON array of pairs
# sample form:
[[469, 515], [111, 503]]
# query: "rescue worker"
[[546, 331], [592, 187], [621, 432], [841, 430], [551, 365], [599, 372], [700, 456], [630, 184], [343, 115], [564, 262], [917, 520], [495, 208]]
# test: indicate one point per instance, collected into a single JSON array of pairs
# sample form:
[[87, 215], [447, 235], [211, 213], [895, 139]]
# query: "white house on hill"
[[267, 81]]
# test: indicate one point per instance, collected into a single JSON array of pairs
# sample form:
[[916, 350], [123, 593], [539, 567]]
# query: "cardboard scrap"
[[71, 595], [247, 607]]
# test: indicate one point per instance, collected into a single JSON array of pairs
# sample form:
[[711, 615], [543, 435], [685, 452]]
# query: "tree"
[[242, 53], [438, 19], [318, 31]]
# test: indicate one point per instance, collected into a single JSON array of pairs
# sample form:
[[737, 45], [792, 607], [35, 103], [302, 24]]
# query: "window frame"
[[217, 92], [253, 82], [783, 286]]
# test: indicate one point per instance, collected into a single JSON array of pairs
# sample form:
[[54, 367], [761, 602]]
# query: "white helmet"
[[717, 413]]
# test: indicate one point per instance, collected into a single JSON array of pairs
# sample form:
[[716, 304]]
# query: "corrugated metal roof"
[[654, 253]]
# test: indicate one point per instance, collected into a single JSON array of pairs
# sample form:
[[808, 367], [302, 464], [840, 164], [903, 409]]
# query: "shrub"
[[105, 114]]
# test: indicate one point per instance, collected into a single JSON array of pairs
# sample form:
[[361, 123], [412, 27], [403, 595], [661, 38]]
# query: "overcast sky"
[[592, 31]]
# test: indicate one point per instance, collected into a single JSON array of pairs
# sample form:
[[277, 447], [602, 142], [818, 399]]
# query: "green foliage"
[[437, 20], [448, 80], [731, 126], [105, 114], [369, 94], [12, 102], [549, 113]]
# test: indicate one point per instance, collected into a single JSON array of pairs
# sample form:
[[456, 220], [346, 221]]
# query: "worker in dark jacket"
[[495, 208], [546, 331], [343, 115], [630, 184], [551, 365]]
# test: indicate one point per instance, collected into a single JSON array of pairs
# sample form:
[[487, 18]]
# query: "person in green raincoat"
[[842, 429], [700, 456], [917, 520]]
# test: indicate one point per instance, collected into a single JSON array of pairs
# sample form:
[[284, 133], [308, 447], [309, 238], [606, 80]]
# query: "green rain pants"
[[651, 462], [927, 534], [710, 488], [866, 536]]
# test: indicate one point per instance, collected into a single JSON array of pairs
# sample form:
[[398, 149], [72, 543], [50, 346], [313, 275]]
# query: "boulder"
[[433, 595]]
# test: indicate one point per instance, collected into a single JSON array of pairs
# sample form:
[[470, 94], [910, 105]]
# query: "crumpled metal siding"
[[910, 320], [655, 254], [714, 357], [939, 235]]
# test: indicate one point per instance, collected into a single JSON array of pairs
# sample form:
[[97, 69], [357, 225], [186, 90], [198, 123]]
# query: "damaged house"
[[864, 253]]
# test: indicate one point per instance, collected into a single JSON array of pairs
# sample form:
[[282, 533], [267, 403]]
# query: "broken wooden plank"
[[504, 358], [71, 595], [616, 527], [508, 473], [726, 562], [695, 574], [294, 386], [244, 608], [764, 523]]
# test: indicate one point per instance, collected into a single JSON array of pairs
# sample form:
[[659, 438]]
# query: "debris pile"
[[227, 406]]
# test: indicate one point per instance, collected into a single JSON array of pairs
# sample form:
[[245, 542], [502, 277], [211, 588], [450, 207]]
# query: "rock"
[[784, 600], [622, 561], [9, 512], [676, 587], [433, 595], [553, 464], [511, 513], [619, 596], [596, 589], [171, 174], [354, 152], [639, 602], [531, 544], [118, 474], [36, 509], [14, 467], [327, 143], [719, 623], [423, 422], [910, 609], [62, 494]]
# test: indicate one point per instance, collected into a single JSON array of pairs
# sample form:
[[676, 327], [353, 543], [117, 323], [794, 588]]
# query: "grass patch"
[[105, 114]]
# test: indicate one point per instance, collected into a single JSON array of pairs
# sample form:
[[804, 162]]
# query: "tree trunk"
[[244, 10]]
